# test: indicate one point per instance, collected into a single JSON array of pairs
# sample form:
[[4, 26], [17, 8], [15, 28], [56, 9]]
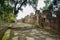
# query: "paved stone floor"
[[32, 34]]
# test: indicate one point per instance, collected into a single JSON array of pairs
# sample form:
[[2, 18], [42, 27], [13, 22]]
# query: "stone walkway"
[[32, 34], [23, 31], [28, 32]]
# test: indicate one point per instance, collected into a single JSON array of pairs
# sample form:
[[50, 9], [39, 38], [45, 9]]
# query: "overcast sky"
[[28, 9]]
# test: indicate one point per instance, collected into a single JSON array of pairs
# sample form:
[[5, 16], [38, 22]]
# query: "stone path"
[[28, 32], [32, 34]]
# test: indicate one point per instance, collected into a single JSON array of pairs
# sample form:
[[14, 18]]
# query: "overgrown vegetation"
[[6, 12], [6, 35]]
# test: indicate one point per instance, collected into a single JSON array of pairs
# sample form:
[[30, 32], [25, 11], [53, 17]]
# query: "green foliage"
[[47, 2], [35, 1], [6, 35], [45, 8], [50, 7], [5, 11]]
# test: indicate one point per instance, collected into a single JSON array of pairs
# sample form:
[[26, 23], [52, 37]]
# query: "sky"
[[29, 9]]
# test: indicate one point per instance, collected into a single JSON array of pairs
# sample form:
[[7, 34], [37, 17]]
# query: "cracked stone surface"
[[32, 34]]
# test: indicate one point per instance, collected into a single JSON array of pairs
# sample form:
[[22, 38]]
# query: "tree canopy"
[[9, 9]]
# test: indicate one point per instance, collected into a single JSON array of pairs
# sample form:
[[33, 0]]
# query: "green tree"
[[47, 3], [5, 10], [33, 3]]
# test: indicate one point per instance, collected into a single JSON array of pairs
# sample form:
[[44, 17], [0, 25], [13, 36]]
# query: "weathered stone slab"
[[30, 38], [15, 38]]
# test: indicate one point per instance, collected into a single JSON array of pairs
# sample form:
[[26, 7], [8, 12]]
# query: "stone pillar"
[[37, 13], [37, 19]]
